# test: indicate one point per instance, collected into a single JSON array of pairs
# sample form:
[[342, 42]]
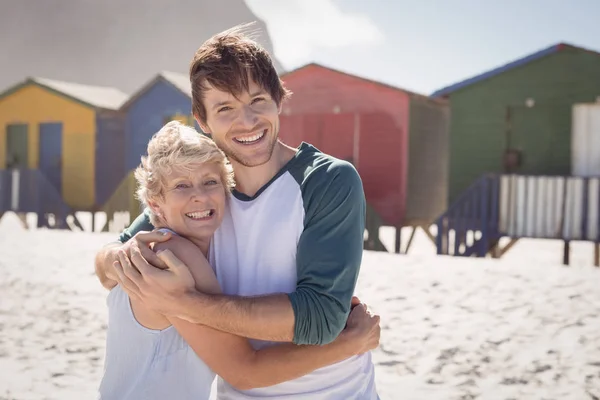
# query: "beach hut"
[[518, 118], [396, 139], [167, 97], [72, 133]]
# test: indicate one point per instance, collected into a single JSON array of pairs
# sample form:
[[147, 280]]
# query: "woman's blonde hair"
[[176, 146]]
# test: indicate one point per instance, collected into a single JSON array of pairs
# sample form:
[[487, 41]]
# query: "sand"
[[522, 327]]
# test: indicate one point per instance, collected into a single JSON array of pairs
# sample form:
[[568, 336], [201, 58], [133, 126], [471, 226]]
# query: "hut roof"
[[511, 65], [96, 96], [179, 81], [372, 81]]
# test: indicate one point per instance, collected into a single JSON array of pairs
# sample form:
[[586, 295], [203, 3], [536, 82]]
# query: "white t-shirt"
[[301, 233]]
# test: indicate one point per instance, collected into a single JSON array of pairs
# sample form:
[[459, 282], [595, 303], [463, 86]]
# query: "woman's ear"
[[156, 210]]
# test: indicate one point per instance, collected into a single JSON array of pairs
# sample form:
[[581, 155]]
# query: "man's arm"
[[328, 261], [232, 357], [104, 260]]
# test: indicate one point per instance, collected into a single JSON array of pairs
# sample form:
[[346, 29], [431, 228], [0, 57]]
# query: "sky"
[[423, 45]]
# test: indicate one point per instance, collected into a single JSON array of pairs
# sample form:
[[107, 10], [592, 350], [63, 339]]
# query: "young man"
[[288, 252]]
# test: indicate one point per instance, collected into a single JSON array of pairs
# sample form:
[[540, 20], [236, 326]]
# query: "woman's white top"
[[148, 364]]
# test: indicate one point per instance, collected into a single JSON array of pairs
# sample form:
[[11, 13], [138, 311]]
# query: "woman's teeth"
[[199, 215]]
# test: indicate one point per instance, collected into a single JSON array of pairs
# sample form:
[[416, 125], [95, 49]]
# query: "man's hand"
[[363, 329], [106, 257], [158, 289], [141, 243]]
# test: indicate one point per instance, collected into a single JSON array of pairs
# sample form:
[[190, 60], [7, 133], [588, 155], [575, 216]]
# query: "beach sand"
[[522, 327]]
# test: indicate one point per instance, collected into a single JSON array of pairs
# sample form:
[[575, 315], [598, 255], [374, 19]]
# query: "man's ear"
[[202, 126]]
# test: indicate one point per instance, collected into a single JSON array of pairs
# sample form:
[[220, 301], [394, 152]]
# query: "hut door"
[[16, 146], [51, 153], [533, 135]]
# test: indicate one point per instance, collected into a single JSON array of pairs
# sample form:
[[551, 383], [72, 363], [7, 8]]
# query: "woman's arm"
[[232, 357]]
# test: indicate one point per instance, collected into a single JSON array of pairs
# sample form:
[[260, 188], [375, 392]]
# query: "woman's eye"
[[258, 99], [181, 186], [223, 109], [211, 182]]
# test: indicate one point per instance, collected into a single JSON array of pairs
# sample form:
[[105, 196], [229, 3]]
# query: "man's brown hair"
[[226, 61]]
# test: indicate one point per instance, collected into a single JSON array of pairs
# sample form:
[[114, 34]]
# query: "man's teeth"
[[198, 215], [252, 138]]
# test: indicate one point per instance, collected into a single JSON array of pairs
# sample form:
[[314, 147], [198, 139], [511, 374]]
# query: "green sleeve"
[[329, 252], [141, 223]]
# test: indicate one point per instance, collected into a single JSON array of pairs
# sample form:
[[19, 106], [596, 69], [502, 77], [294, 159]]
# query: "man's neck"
[[249, 180]]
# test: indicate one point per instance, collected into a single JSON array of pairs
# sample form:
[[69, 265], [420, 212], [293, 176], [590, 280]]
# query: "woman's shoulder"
[[177, 244], [195, 260]]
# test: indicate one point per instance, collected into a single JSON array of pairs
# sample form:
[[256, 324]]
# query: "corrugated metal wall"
[[428, 159], [147, 114], [33, 106], [550, 207], [478, 125], [110, 154]]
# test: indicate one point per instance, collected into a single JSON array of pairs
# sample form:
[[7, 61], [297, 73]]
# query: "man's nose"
[[248, 117]]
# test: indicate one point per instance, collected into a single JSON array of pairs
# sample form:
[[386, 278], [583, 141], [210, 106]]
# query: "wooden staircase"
[[470, 226]]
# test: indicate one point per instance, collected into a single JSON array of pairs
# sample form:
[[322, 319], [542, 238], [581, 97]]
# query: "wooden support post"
[[429, 234], [23, 219], [597, 254], [410, 239], [498, 252], [398, 239], [41, 220], [566, 252], [76, 222]]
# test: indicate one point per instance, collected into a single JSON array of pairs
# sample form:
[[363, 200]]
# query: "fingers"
[[152, 237], [354, 302], [140, 262], [170, 260], [131, 272], [142, 245], [150, 256], [128, 286]]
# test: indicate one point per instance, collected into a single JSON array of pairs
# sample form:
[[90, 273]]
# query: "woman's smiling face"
[[193, 200]]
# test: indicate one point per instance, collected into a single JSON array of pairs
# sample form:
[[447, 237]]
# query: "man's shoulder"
[[325, 180], [141, 223]]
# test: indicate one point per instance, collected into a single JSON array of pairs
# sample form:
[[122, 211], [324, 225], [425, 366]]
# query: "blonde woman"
[[184, 182]]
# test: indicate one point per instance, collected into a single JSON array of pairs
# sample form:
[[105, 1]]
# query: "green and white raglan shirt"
[[301, 234]]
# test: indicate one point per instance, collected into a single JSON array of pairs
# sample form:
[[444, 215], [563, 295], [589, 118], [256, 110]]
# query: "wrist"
[[348, 343], [191, 302]]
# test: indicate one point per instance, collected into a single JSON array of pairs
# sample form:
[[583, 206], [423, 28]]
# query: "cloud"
[[298, 27]]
